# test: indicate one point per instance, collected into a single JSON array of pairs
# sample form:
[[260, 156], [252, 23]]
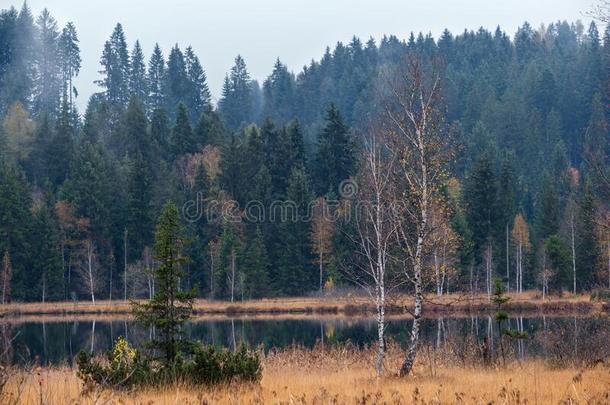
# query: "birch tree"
[[421, 147], [89, 267], [321, 236], [521, 240], [440, 250], [374, 235]]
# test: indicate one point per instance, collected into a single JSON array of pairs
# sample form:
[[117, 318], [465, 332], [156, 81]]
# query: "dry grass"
[[344, 375], [454, 304]]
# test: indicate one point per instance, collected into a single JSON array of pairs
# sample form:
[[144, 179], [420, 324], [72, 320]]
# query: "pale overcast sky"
[[294, 30]]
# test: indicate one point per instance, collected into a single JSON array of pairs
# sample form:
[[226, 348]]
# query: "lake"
[[58, 342]]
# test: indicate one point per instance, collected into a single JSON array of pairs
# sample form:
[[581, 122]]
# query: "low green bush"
[[211, 366], [600, 294], [126, 367]]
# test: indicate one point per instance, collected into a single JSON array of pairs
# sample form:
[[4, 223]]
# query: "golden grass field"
[[527, 302], [342, 375]]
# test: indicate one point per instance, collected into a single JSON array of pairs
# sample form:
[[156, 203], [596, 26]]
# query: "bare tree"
[[321, 235], [601, 11], [443, 242], [88, 267], [421, 146], [374, 234], [521, 239]]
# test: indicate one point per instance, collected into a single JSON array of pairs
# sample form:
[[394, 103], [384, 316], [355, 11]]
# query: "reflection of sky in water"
[[56, 342]]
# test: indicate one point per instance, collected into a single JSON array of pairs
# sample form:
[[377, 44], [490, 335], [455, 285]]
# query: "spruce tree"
[[160, 132], [182, 138], [138, 82], [47, 284], [140, 222], [70, 61], [547, 213], [176, 80], [47, 84], [298, 275], [587, 254], [198, 96], [256, 267], [156, 78], [135, 138], [60, 150], [15, 225], [480, 198], [115, 63], [236, 104], [170, 307], [278, 92], [335, 154]]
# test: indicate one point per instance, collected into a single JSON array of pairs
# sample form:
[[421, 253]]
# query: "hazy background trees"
[[527, 200]]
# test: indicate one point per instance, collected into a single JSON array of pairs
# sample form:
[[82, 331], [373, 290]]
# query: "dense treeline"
[[80, 193]]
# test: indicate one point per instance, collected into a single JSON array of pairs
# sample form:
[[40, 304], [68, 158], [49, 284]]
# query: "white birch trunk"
[[90, 270], [573, 252]]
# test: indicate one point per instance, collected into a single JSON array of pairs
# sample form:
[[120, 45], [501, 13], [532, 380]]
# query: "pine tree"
[[480, 195], [20, 74], [182, 140], [47, 285], [60, 150], [335, 154], [15, 225], [116, 67], [278, 92], [209, 130], [507, 207], [298, 276], [587, 254], [176, 80], [256, 267], [140, 222], [236, 104], [198, 96], [138, 82], [70, 61], [231, 163], [296, 147], [47, 85], [135, 138], [547, 213], [170, 307], [156, 78], [160, 133]]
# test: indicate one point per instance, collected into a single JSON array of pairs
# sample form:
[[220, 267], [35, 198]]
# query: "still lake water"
[[54, 343]]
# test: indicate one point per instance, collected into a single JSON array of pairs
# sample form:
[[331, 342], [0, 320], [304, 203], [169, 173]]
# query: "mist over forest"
[[525, 198]]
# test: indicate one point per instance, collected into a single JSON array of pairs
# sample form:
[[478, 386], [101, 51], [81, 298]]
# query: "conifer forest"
[[468, 164]]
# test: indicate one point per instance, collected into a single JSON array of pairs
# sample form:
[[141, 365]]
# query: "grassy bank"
[[344, 375], [453, 304]]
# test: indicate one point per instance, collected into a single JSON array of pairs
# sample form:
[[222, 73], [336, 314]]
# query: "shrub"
[[125, 367], [600, 295], [211, 366]]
